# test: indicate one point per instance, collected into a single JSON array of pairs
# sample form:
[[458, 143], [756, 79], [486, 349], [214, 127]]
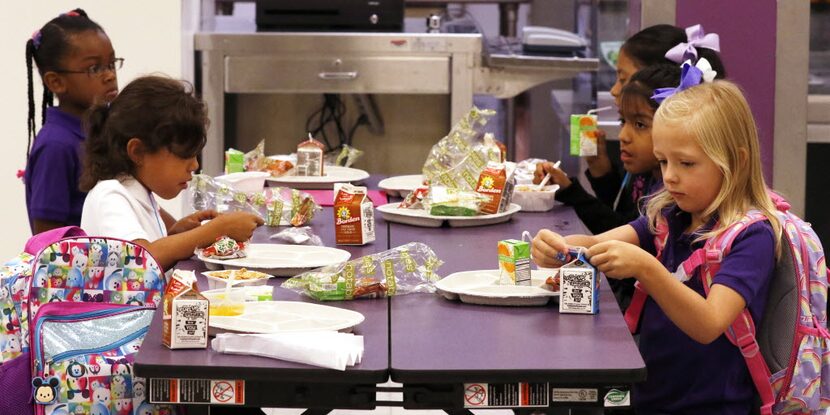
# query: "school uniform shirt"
[[53, 170], [684, 376], [122, 208]]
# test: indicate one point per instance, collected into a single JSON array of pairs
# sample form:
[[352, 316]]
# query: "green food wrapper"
[[446, 210]]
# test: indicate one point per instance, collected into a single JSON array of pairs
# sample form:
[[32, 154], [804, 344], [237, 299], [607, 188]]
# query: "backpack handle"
[[40, 241]]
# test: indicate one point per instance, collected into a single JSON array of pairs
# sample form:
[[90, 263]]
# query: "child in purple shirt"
[[706, 142], [77, 64]]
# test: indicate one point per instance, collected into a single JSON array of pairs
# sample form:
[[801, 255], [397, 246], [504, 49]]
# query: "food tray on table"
[[281, 260], [287, 317], [481, 287], [419, 217], [332, 175], [401, 185]]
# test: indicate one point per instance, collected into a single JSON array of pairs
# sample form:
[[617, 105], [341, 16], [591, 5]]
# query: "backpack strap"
[[37, 242]]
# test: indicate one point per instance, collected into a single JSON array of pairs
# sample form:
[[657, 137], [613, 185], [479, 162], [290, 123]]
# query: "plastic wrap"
[[457, 159], [401, 270], [276, 205], [444, 201], [297, 236]]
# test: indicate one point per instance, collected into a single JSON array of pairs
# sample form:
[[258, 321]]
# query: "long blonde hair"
[[717, 115]]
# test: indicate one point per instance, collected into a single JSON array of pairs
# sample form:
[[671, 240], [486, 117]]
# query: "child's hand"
[[237, 225], [599, 165], [192, 221], [557, 176], [620, 260], [549, 249]]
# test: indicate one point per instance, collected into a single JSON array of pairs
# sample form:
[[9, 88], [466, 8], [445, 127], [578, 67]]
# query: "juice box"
[[309, 158], [496, 183], [579, 282], [583, 135], [185, 313], [514, 262], [234, 161], [354, 215]]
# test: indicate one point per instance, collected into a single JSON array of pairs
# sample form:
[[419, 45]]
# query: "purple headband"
[[696, 39]]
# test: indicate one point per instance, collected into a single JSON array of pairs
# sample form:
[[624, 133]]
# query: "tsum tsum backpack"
[[788, 353], [91, 301]]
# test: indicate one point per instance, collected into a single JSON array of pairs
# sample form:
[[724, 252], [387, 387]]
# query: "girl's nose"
[[194, 164], [668, 173], [625, 134]]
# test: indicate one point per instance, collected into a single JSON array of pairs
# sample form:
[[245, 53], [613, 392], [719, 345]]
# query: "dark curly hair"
[[162, 112], [47, 48], [642, 84], [649, 46]]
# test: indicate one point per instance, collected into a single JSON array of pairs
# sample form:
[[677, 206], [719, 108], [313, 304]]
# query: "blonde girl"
[[706, 142]]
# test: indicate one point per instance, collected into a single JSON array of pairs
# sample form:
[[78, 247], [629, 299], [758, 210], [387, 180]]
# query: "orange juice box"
[[514, 262], [579, 285], [354, 215], [583, 135], [185, 313], [495, 182]]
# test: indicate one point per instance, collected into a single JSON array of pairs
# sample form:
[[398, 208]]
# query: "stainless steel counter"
[[366, 63]]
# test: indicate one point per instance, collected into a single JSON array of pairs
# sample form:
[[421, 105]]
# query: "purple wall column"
[[747, 30]]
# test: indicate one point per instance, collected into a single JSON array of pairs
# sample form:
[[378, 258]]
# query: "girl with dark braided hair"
[[76, 64]]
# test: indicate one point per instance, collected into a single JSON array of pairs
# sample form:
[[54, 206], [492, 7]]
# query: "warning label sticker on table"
[[505, 395], [196, 391], [574, 395]]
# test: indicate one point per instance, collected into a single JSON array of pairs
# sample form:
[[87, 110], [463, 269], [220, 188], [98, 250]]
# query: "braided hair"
[[47, 48]]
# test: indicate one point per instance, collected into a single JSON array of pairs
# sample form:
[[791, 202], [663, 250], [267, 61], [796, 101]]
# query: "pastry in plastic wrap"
[[401, 270], [225, 247]]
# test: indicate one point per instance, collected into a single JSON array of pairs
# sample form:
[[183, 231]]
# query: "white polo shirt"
[[122, 208]]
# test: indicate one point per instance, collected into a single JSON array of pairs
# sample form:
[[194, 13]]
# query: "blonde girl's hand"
[[545, 247], [557, 176], [191, 221], [620, 260], [237, 225], [599, 165]]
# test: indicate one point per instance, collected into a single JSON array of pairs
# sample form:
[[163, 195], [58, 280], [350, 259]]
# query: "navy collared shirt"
[[684, 376], [54, 169]]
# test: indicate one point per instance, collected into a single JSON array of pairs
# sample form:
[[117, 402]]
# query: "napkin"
[[329, 349]]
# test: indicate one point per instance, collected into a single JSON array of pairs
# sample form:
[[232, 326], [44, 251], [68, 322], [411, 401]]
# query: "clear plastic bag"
[[297, 236], [276, 205], [457, 159], [401, 270]]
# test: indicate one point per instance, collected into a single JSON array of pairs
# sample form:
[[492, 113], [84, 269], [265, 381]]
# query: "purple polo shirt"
[[684, 376], [54, 169]]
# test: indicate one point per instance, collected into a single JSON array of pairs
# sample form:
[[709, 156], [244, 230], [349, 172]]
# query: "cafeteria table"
[[442, 352]]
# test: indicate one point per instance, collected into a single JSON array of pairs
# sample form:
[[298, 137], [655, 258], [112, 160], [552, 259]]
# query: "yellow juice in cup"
[[222, 306]]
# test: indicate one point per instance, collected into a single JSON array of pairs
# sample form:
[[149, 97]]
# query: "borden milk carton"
[[514, 262], [496, 182], [354, 215], [309, 158], [185, 313], [579, 284]]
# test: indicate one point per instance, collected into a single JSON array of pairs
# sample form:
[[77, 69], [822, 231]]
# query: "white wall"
[[146, 33]]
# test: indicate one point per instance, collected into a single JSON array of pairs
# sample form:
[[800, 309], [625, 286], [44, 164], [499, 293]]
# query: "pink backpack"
[[789, 355]]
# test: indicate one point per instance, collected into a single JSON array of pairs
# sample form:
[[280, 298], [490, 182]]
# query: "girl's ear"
[[136, 151], [55, 82]]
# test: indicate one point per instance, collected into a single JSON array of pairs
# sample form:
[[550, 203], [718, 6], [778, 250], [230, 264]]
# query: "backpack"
[[90, 304], [15, 361], [788, 357]]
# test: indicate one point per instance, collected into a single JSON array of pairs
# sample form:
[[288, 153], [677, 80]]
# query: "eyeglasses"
[[98, 70]]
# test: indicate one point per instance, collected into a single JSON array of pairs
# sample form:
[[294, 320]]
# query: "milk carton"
[[584, 135], [514, 262], [495, 182], [354, 215], [579, 282], [309, 158], [185, 313]]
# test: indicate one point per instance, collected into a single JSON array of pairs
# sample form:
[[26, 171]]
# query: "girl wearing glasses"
[[76, 64]]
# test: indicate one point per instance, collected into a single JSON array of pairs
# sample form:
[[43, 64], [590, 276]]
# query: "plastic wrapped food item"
[[415, 198], [277, 167], [346, 156], [401, 270], [254, 159], [444, 201], [457, 159], [276, 205], [225, 247], [298, 236]]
